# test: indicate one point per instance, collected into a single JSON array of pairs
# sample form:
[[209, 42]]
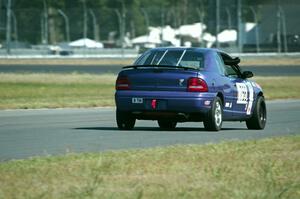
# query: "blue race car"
[[174, 85]]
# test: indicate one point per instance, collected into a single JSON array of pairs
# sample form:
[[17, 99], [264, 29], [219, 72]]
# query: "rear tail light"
[[122, 83], [197, 85]]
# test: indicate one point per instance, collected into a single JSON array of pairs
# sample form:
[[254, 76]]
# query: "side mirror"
[[247, 74]]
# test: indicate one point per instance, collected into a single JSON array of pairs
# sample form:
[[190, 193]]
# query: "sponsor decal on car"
[[242, 93], [228, 104], [245, 95]]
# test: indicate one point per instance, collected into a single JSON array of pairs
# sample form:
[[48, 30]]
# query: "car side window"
[[220, 64], [229, 71]]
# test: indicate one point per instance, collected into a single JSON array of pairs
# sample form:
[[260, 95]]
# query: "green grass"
[[280, 87], [53, 91], [85, 90], [250, 169]]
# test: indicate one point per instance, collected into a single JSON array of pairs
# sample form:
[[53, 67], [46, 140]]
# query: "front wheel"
[[214, 118], [125, 120], [166, 124], [259, 116]]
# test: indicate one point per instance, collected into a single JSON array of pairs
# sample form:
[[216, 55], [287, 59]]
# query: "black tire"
[[258, 119], [167, 124], [125, 120], [214, 117]]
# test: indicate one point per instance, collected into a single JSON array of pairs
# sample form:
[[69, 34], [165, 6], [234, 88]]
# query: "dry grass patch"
[[280, 87], [56, 90], [44, 78], [68, 61], [250, 169], [271, 61]]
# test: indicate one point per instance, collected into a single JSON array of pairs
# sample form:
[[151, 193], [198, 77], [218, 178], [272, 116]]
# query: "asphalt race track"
[[101, 69], [27, 133]]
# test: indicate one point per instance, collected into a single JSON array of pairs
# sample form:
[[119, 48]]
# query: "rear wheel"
[[125, 120], [214, 118], [259, 116], [166, 124]]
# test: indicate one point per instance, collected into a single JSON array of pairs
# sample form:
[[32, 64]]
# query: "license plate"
[[137, 100]]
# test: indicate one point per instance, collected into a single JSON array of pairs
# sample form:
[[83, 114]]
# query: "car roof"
[[204, 50], [208, 52]]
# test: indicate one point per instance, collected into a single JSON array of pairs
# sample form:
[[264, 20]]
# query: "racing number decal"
[[242, 93], [245, 95], [251, 95]]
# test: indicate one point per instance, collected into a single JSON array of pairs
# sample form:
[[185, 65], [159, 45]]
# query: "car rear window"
[[172, 57]]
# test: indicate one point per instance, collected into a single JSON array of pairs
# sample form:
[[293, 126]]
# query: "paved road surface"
[[258, 70], [26, 133]]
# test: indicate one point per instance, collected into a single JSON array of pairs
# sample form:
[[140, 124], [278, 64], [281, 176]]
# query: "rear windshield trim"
[[178, 57]]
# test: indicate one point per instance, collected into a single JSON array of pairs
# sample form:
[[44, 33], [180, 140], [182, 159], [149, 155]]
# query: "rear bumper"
[[177, 102]]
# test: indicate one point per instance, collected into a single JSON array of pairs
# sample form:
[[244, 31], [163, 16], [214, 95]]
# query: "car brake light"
[[122, 83], [197, 85], [154, 103]]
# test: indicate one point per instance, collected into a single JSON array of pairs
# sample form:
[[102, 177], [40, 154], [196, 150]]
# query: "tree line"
[[104, 19]]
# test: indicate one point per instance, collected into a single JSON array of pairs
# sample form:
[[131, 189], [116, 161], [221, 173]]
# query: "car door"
[[226, 85], [243, 92]]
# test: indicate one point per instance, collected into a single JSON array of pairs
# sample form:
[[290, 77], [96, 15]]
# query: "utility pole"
[[95, 25], [175, 21], [42, 28], [162, 15], [201, 17], [120, 23], [84, 20], [121, 37], [15, 26], [8, 26], [0, 15], [239, 21], [256, 29], [229, 22], [123, 24], [217, 22], [228, 18], [146, 16], [46, 23], [278, 27], [67, 25], [284, 30]]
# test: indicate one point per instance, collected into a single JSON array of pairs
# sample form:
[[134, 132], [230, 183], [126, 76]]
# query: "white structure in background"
[[230, 36], [249, 26], [86, 43], [196, 31], [227, 36], [149, 41], [209, 39], [153, 39], [168, 34]]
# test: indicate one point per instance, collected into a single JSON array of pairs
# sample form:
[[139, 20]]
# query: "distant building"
[[268, 26]]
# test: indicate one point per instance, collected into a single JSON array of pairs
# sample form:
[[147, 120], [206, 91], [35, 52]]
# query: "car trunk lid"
[[159, 79]]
